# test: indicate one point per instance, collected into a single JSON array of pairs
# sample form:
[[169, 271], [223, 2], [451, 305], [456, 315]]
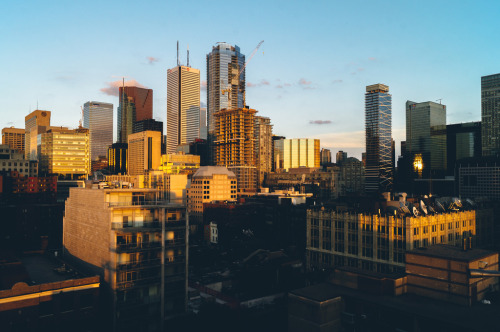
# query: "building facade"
[[183, 106], [136, 104], [326, 157], [463, 140], [34, 123], [263, 147], [211, 183], [490, 115], [378, 242], [478, 177], [296, 152], [144, 152], [138, 244], [175, 163], [14, 137], [234, 145], [340, 157], [117, 158], [98, 119], [352, 177], [378, 122], [426, 135], [12, 160], [65, 152]]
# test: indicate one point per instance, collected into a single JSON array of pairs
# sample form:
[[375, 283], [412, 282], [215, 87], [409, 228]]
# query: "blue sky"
[[313, 67]]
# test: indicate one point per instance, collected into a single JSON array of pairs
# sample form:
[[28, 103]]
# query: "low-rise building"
[[14, 138], [175, 163], [13, 161]]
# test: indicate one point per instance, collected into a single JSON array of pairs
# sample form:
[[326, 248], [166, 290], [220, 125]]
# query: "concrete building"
[[452, 274], [14, 137], [183, 106], [263, 147], [203, 123], [175, 163], [490, 115], [136, 104], [144, 152], [41, 293], [64, 152], [326, 157], [378, 242], [208, 184], [296, 152], [138, 245], [12, 160], [34, 123], [234, 145], [117, 158], [98, 119], [378, 123], [340, 157], [352, 177], [426, 136]]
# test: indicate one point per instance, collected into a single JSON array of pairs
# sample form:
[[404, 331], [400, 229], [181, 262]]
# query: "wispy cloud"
[[287, 84], [261, 83], [303, 82], [279, 86], [320, 122], [337, 81], [372, 58], [112, 87], [152, 60]]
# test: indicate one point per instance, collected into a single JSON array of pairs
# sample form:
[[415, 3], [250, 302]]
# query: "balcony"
[[134, 246], [137, 203], [134, 226]]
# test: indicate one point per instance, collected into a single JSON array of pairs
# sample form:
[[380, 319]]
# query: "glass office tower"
[[98, 119], [490, 115], [426, 135], [136, 104], [378, 124]]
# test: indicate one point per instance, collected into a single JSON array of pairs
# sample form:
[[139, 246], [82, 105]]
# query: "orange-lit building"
[[14, 137], [136, 104]]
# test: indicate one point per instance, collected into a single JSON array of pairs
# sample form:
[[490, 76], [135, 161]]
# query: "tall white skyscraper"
[[183, 106], [98, 118]]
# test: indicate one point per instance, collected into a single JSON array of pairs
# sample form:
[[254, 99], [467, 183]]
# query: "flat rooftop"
[[453, 253], [320, 292]]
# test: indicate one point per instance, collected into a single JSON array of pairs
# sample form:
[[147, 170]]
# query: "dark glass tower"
[[136, 104], [378, 124], [490, 115]]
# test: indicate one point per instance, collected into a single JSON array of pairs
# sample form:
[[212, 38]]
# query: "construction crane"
[[229, 88]]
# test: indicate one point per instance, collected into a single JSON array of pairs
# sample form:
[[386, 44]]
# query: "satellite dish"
[[431, 209], [423, 208], [415, 212], [440, 206]]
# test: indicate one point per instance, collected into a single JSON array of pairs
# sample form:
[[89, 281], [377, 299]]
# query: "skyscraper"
[[463, 140], [225, 84], [378, 123], [34, 123], [263, 147], [296, 152], [144, 152], [203, 123], [326, 156], [426, 135], [490, 115], [136, 104], [183, 106], [235, 145], [98, 118]]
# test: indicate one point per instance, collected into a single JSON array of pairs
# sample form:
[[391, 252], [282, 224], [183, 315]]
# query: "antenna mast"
[[178, 64], [188, 56]]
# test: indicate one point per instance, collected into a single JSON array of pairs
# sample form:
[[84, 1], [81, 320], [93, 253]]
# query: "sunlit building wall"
[[263, 147], [14, 137], [296, 152], [144, 152], [35, 123]]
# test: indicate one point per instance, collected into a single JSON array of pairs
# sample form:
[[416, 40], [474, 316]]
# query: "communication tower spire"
[[178, 63]]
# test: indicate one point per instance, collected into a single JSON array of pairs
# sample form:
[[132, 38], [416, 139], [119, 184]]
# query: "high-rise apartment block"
[[144, 152], [14, 137], [183, 106], [426, 135], [211, 183], [234, 145], [98, 119], [65, 152], [225, 85], [263, 147], [138, 244], [296, 152], [34, 123], [490, 115], [340, 157], [136, 104], [378, 122], [326, 157]]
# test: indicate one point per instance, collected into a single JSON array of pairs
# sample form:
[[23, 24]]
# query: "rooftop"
[[452, 252], [211, 170]]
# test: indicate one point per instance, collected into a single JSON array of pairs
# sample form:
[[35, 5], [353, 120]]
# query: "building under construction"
[[235, 145]]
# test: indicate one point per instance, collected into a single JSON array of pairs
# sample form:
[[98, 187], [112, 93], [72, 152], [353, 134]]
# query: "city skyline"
[[59, 75]]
